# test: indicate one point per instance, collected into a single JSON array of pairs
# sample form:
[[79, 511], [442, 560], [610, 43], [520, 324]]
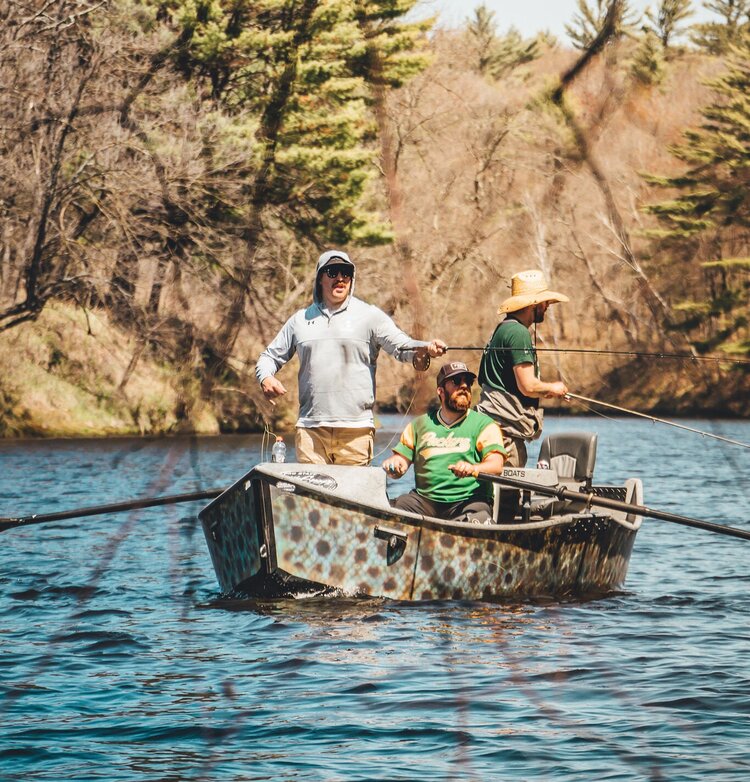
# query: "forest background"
[[170, 170]]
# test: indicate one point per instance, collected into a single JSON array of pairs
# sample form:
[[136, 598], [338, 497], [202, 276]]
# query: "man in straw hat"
[[448, 447], [509, 371]]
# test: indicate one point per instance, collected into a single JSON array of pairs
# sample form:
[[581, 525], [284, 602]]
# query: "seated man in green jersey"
[[448, 448]]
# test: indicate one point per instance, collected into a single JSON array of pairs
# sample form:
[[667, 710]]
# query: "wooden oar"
[[604, 502], [117, 507]]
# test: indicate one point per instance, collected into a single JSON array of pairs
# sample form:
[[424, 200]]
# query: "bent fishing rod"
[[421, 362], [655, 420]]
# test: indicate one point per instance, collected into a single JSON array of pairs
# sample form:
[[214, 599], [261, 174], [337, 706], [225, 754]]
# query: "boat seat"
[[572, 456], [633, 496]]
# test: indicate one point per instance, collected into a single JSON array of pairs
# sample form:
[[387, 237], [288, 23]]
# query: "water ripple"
[[120, 662]]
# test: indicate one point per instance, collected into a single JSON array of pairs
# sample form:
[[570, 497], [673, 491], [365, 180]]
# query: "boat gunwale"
[[463, 529], [524, 535]]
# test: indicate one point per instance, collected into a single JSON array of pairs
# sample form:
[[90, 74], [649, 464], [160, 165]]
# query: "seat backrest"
[[571, 454], [633, 496]]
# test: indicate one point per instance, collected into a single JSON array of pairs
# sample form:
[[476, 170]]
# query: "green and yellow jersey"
[[433, 445]]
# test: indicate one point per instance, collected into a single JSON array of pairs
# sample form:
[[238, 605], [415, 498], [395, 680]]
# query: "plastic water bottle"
[[278, 452]]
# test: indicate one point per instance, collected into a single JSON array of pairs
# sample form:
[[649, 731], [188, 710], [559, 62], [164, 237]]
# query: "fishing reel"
[[421, 360]]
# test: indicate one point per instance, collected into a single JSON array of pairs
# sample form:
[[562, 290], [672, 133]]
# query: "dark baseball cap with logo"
[[453, 368]]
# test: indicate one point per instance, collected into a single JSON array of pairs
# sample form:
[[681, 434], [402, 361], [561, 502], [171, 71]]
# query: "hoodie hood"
[[334, 257]]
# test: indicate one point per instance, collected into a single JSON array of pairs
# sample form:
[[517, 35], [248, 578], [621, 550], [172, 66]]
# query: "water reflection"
[[121, 662]]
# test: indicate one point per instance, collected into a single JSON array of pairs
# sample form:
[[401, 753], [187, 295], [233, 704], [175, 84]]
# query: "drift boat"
[[302, 529]]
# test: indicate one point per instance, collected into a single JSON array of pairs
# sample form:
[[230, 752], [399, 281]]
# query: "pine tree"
[[496, 55], [587, 24], [666, 20], [647, 66], [709, 219], [395, 50], [284, 72], [511, 51], [294, 86], [482, 30], [717, 37]]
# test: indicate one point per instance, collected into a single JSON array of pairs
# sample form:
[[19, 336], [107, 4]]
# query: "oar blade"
[[99, 510]]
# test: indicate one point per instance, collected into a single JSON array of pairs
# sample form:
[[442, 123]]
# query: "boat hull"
[[290, 530]]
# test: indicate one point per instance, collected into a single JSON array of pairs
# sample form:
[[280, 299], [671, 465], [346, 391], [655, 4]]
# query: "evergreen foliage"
[[288, 76], [395, 50], [666, 21], [718, 37], [647, 66], [709, 218], [496, 56], [589, 21]]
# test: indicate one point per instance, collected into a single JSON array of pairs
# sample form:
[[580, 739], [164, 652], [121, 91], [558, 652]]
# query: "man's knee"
[[403, 501], [414, 503], [478, 512]]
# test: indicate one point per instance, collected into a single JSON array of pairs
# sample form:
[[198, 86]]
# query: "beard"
[[539, 315], [459, 401]]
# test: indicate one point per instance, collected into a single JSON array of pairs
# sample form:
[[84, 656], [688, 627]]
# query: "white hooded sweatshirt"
[[337, 352]]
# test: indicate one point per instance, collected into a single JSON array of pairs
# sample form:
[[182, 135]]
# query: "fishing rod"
[[117, 507], [638, 354], [656, 420], [421, 362], [604, 502]]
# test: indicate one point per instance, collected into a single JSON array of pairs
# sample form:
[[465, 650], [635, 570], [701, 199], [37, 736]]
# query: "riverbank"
[[74, 373]]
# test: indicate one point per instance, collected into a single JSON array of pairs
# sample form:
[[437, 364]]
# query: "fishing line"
[[268, 438], [656, 420], [387, 447], [633, 353]]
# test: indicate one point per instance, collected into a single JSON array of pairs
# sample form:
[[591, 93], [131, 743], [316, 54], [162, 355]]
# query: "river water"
[[120, 662]]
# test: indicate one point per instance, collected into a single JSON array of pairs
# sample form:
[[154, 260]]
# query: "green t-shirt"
[[432, 446], [496, 368]]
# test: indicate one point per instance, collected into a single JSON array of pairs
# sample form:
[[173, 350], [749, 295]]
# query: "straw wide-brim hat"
[[528, 288]]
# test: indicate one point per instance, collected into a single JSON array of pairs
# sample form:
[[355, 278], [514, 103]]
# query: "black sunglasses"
[[334, 271], [459, 380]]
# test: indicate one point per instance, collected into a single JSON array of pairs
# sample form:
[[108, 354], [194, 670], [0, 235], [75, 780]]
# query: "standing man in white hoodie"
[[338, 339]]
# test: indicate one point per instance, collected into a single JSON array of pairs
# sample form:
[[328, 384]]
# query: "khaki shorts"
[[334, 445]]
